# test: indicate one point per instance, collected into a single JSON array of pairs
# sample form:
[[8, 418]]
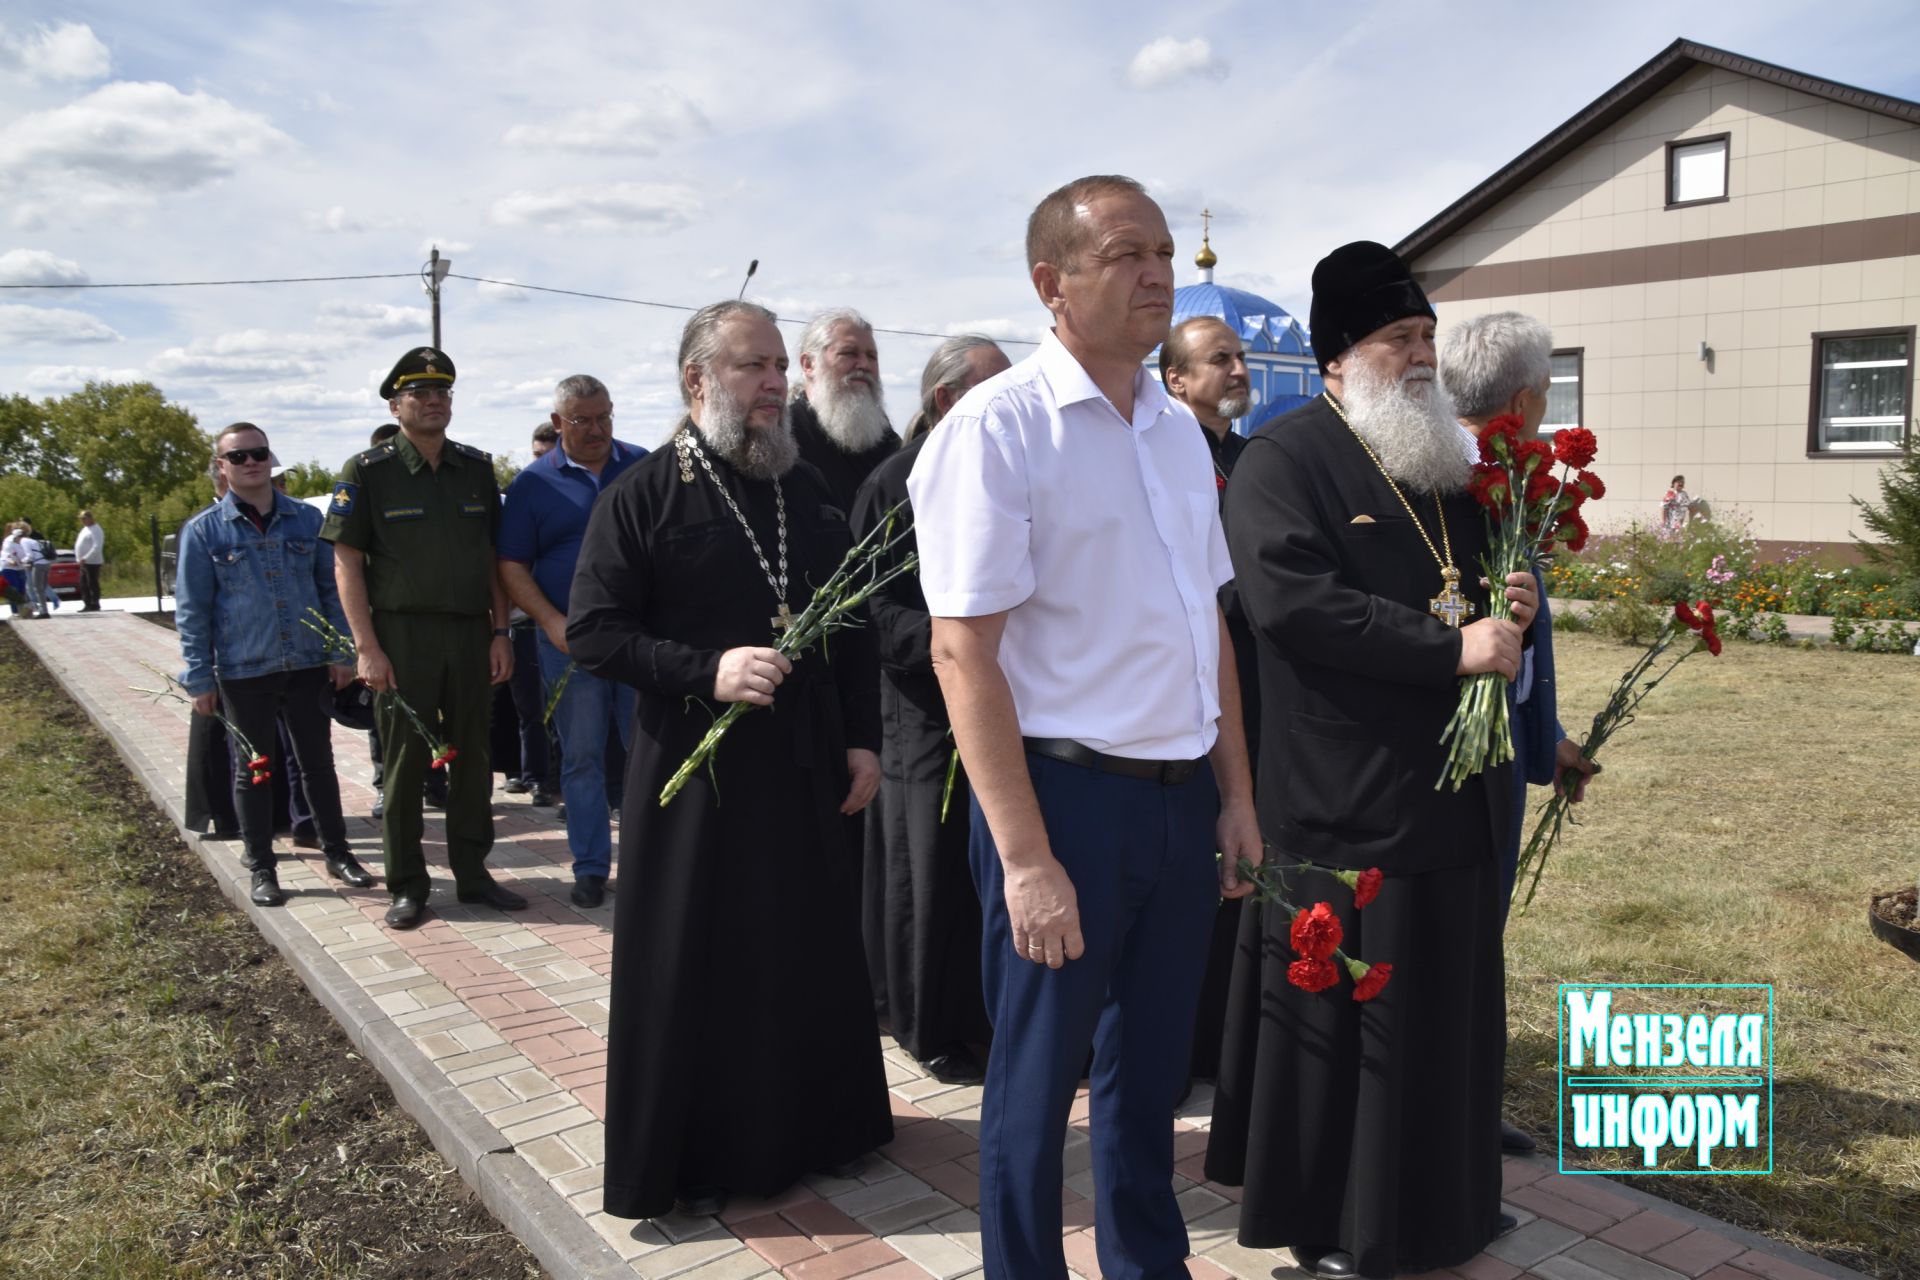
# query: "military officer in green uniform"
[[413, 523]]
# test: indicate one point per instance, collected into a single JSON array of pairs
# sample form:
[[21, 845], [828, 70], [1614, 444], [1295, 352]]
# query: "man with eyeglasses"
[[413, 523], [250, 568], [541, 528]]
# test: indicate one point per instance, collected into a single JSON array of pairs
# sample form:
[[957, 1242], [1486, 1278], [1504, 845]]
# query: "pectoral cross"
[[1450, 606], [783, 620]]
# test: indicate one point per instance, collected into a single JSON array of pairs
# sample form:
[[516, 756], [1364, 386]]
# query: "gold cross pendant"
[[783, 620], [1450, 606]]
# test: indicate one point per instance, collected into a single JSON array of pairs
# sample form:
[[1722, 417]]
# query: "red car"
[[63, 575]]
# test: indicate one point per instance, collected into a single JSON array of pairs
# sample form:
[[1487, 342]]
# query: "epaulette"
[[471, 452], [379, 453]]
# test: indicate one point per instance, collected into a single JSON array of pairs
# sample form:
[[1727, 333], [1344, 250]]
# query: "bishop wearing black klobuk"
[[741, 1051], [1369, 1129], [916, 837]]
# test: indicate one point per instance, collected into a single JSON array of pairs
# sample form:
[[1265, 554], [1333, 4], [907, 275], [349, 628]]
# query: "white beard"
[[766, 453], [850, 413], [1410, 426], [1232, 407]]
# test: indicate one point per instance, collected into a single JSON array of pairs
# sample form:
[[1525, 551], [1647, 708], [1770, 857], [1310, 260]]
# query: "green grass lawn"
[[1738, 831]]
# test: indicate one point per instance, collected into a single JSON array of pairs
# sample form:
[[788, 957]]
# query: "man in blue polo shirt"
[[540, 530]]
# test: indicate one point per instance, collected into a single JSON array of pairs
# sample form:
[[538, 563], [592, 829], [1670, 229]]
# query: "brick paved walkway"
[[491, 1029]]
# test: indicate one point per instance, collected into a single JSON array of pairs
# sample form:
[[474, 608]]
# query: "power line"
[[678, 306], [190, 284], [505, 284]]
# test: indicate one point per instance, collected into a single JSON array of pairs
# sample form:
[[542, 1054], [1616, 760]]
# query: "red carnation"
[[1312, 975], [1499, 438], [1684, 611], [258, 762], [1708, 631], [1369, 984], [1367, 887], [1575, 446], [1576, 540], [1489, 486], [1590, 485], [1316, 934], [1541, 486], [1532, 455]]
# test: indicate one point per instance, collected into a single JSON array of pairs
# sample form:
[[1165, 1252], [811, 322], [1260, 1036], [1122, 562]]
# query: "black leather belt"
[[1168, 773]]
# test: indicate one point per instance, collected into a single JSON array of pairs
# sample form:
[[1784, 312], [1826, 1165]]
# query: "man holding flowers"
[[1365, 1129]]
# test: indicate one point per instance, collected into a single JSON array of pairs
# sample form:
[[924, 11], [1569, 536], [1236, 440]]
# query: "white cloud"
[[69, 51], [37, 266], [661, 117], [502, 292], [448, 248], [311, 397], [1000, 328], [247, 356], [137, 137], [51, 324], [337, 218], [619, 206], [71, 377], [375, 320], [1166, 60]]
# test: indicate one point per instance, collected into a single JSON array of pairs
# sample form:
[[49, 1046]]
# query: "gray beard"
[[1410, 426], [763, 454], [853, 417], [1232, 407]]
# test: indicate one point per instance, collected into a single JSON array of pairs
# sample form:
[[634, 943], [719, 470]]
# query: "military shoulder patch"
[[379, 453], [472, 452], [344, 494]]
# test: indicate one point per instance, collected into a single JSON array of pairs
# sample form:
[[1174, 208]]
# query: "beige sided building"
[[1728, 253]]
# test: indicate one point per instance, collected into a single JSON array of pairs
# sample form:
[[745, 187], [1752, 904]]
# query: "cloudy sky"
[[882, 156]]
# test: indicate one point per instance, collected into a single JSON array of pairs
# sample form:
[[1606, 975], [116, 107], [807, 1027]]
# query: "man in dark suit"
[[1365, 1133]]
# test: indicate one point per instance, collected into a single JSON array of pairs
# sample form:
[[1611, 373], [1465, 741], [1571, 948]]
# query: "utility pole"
[[431, 275]]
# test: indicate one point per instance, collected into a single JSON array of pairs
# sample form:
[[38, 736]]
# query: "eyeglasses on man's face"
[[590, 420], [259, 453]]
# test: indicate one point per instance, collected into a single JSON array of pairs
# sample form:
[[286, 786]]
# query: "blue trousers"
[[589, 708], [1141, 858]]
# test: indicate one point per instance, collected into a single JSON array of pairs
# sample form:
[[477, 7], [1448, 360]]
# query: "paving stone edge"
[[537, 1215]]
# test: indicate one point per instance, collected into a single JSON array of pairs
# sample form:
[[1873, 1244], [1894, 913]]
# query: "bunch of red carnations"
[[1528, 508], [1316, 932]]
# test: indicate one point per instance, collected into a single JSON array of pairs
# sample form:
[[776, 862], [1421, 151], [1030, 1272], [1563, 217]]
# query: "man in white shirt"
[[1071, 549], [89, 548]]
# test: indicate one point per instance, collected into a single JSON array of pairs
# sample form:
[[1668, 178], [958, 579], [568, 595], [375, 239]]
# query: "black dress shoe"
[[266, 889], [955, 1066], [347, 867], [305, 837], [221, 833], [406, 913], [700, 1202], [1504, 1223], [435, 797], [379, 808], [494, 895], [1511, 1139], [1328, 1264], [588, 891], [517, 786], [543, 798], [845, 1169]]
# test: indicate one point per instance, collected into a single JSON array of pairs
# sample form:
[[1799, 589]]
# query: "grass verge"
[[1737, 835], [173, 1103]]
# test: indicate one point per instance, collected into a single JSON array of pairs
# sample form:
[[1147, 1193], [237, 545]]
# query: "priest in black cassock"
[[741, 1054], [1204, 366], [840, 415], [926, 937], [1366, 1135]]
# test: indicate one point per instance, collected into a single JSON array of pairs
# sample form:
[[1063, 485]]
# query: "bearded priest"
[[741, 1054], [839, 413], [1366, 1134]]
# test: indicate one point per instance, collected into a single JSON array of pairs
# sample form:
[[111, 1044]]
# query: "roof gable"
[[1662, 70]]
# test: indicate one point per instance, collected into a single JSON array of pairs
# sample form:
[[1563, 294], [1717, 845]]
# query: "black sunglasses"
[[259, 453]]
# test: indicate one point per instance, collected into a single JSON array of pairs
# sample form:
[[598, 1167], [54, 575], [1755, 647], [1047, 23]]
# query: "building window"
[[1862, 390], [1697, 171], [1563, 393]]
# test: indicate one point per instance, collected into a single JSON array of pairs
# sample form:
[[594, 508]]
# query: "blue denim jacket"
[[240, 594]]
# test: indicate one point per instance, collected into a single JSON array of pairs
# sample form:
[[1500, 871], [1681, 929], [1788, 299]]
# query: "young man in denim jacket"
[[250, 568]]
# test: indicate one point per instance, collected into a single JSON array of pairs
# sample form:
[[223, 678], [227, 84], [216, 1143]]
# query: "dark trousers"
[[90, 586], [1140, 856], [440, 668], [537, 763], [256, 706]]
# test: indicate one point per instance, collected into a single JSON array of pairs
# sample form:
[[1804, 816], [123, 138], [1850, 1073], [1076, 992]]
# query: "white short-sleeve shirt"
[[1099, 538]]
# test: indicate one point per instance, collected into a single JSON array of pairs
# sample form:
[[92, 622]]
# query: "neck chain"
[[689, 451], [1449, 606]]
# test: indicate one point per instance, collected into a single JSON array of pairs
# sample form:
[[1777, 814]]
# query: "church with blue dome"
[[1281, 371]]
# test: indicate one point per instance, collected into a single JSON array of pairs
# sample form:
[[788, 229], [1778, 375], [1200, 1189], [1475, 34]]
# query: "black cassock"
[[924, 919], [741, 1052], [1372, 1127]]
